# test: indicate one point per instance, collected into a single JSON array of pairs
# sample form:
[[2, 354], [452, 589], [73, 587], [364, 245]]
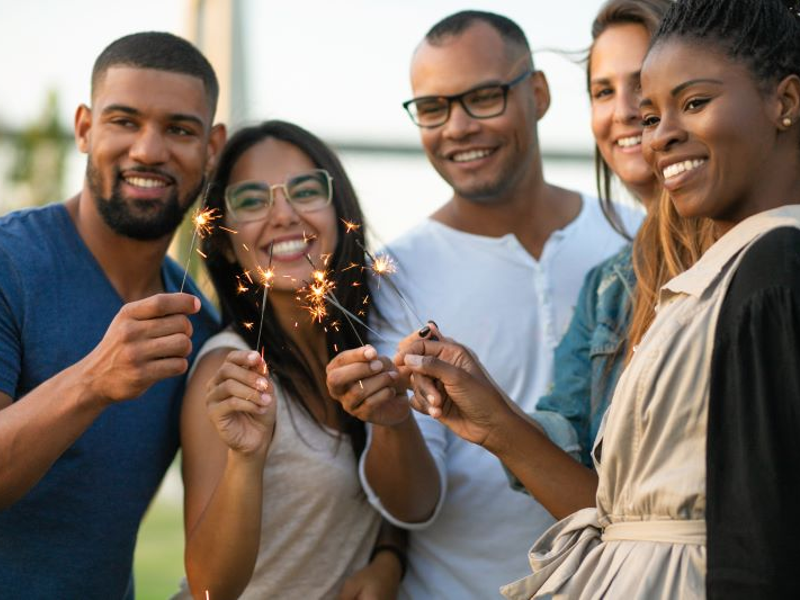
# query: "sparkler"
[[320, 291], [383, 266], [202, 219], [266, 278]]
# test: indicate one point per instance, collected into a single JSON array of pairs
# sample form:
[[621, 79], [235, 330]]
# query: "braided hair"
[[764, 34]]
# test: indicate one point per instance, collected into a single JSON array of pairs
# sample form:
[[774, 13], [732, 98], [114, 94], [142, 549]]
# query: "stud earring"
[[787, 122]]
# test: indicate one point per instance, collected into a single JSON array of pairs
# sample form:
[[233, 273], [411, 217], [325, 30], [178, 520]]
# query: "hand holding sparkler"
[[147, 341], [241, 403], [368, 386]]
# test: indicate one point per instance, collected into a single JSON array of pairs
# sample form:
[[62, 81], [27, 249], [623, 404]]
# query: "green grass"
[[158, 562]]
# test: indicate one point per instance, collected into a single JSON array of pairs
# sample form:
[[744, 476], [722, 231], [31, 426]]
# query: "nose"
[[282, 213], [665, 135], [626, 107], [460, 124], [149, 147]]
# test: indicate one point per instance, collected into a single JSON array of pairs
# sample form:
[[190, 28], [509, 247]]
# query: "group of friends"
[[604, 404]]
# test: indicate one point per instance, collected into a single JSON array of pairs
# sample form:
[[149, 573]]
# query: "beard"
[[143, 220]]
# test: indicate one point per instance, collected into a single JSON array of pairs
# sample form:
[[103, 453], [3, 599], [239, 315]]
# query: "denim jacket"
[[589, 359]]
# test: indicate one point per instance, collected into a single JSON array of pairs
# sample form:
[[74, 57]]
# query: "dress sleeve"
[[753, 444]]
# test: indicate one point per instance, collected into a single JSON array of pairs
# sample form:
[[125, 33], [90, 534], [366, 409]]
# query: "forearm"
[[222, 548], [402, 472], [558, 482], [38, 428]]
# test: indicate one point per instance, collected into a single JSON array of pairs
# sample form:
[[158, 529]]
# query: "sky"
[[337, 67]]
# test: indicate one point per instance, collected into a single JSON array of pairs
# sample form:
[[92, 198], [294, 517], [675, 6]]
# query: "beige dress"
[[646, 537], [317, 526]]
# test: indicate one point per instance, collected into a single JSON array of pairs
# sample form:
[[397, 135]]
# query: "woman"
[[698, 453], [273, 504]]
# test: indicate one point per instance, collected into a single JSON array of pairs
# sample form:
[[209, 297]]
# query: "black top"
[[753, 445]]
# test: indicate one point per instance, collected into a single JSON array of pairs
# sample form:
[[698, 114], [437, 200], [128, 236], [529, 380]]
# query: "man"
[[94, 339], [499, 266]]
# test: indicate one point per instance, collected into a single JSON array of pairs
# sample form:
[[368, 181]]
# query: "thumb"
[[433, 367]]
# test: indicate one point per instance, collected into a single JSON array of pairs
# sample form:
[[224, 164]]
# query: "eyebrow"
[[679, 88], [128, 110], [595, 81]]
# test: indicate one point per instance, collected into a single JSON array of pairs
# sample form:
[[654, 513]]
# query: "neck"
[[132, 266], [531, 212]]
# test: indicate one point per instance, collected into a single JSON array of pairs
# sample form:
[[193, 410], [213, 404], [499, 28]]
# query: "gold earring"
[[787, 122]]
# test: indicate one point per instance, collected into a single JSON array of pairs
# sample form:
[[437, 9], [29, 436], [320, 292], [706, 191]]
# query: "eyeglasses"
[[306, 192], [482, 102]]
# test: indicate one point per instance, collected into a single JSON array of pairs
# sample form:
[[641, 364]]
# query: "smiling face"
[[615, 64], [149, 137], [483, 160], [292, 234], [709, 131]]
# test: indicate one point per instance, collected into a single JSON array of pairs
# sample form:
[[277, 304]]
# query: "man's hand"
[[368, 387], [146, 342]]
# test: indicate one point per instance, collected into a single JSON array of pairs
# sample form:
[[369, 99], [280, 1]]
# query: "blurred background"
[[338, 68]]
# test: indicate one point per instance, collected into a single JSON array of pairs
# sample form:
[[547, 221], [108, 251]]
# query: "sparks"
[[248, 325], [267, 275], [350, 226], [201, 219]]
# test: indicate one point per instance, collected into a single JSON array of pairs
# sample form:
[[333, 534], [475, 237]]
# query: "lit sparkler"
[[267, 276], [382, 266], [201, 219]]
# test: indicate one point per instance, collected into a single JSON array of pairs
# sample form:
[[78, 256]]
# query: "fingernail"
[[253, 356], [430, 397], [424, 331], [370, 353], [412, 360], [434, 338], [376, 365], [432, 322], [394, 374], [266, 399], [261, 384]]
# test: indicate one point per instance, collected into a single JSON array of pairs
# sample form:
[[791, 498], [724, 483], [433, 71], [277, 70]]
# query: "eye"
[[484, 96], [180, 130], [600, 93], [649, 121], [695, 103], [122, 122]]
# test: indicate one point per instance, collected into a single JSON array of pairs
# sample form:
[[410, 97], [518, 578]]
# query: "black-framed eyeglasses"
[[306, 192], [482, 102]]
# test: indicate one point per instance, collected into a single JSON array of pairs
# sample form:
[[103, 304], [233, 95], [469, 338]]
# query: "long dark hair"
[[648, 14], [287, 364]]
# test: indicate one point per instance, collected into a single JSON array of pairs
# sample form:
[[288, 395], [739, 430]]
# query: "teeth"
[[627, 142], [470, 155], [143, 182], [678, 168], [288, 247]]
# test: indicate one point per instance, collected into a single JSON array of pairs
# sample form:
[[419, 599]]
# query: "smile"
[[145, 182], [470, 155], [288, 247], [676, 169], [628, 142]]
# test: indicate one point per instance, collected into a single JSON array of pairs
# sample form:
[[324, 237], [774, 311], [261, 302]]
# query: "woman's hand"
[[241, 403], [368, 386], [379, 580], [464, 398]]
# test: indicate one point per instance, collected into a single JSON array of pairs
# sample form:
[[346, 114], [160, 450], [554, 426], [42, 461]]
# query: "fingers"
[[162, 305], [349, 357], [245, 367], [355, 369], [433, 367]]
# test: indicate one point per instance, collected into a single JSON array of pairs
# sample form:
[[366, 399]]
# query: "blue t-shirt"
[[72, 535]]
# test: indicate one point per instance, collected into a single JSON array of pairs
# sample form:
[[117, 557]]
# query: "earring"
[[787, 122]]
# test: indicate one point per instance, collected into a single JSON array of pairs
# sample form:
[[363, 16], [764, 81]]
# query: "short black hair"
[[161, 51], [455, 24], [763, 34]]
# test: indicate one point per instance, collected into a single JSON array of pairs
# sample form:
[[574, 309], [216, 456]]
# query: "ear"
[[83, 126], [541, 93], [788, 94], [216, 141]]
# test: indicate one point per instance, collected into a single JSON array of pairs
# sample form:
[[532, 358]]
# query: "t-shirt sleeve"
[[753, 445], [10, 325]]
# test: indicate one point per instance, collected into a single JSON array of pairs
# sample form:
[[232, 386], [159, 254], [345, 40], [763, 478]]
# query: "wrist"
[[390, 556]]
